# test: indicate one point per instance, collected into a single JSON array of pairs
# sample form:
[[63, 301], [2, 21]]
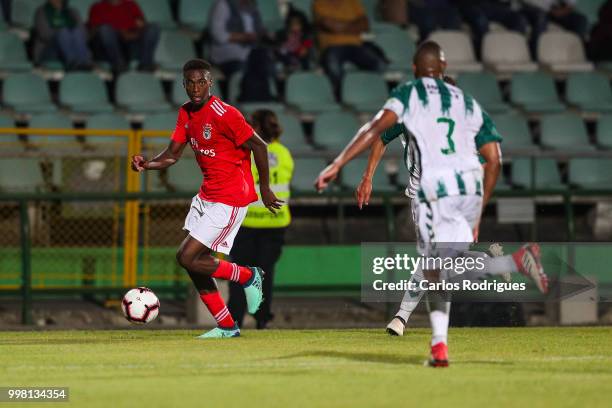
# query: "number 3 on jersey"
[[449, 135]]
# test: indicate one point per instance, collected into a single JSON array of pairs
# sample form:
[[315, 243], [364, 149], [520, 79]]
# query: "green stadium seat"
[[310, 93], [364, 91], [370, 7], [379, 27], [193, 14], [484, 88], [590, 9], [270, 15], [398, 48], [84, 92], [27, 93], [502, 184], [547, 174], [82, 6], [604, 131], [8, 141], [173, 50], [352, 174], [185, 175], [22, 12], [305, 6], [515, 131], [293, 134], [305, 172], [12, 53], [589, 91], [111, 121], [564, 132], [335, 129], [158, 12], [165, 121], [250, 107], [51, 121], [30, 176], [535, 92], [591, 173], [141, 92]]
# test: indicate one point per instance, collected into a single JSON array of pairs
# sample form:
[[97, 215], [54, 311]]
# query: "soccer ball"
[[140, 305]]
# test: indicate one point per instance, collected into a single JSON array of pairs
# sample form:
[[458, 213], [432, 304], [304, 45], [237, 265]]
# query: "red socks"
[[232, 272], [216, 307]]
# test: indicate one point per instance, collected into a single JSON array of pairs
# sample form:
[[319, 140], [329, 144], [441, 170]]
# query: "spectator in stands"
[[59, 33], [601, 35], [480, 13], [120, 33], [394, 11], [340, 24], [561, 12], [295, 42], [235, 28], [258, 76], [430, 15]]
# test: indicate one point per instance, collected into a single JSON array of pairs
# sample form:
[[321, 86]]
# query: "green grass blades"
[[531, 367]]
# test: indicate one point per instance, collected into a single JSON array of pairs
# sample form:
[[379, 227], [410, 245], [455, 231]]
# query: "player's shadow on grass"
[[361, 357]]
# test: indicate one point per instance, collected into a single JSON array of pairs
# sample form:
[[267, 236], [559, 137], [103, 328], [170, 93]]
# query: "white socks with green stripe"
[[411, 297]]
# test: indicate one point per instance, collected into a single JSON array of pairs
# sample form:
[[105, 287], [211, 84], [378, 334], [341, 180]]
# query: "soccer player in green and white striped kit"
[[446, 132]]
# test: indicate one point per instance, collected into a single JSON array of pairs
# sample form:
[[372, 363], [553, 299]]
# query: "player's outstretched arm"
[[364, 190], [165, 159], [361, 141], [260, 154]]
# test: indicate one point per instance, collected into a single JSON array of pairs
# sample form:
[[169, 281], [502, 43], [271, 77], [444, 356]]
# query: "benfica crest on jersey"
[[207, 131]]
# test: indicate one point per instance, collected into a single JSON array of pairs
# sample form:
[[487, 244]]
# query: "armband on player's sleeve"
[[488, 132], [392, 133]]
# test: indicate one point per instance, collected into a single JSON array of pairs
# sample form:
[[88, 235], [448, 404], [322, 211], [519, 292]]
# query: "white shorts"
[[214, 224], [447, 220]]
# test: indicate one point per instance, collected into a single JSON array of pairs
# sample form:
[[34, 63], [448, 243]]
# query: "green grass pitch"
[[497, 367]]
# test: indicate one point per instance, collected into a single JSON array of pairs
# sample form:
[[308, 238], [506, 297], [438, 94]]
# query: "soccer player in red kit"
[[222, 142]]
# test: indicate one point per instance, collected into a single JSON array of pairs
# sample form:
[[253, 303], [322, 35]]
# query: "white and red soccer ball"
[[140, 305]]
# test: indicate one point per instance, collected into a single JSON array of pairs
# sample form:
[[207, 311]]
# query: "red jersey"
[[120, 16], [216, 133]]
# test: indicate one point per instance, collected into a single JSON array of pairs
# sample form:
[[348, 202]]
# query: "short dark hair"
[[196, 64]]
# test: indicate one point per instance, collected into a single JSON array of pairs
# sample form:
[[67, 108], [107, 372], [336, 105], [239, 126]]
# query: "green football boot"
[[220, 333], [253, 289]]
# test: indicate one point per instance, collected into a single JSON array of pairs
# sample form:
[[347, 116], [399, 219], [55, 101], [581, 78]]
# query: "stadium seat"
[[50, 121], [590, 173], [193, 14], [483, 87], [140, 92], [250, 107], [27, 93], [547, 174], [305, 172], [515, 132], [562, 52], [507, 52], [30, 176], [22, 12], [364, 91], [8, 140], [84, 92], [159, 121], [589, 91], [398, 48], [535, 92], [82, 6], [185, 174], [564, 132], [305, 6], [310, 93], [293, 134], [158, 12], [112, 121], [270, 15], [12, 53], [334, 129], [604, 131], [173, 50], [458, 49], [590, 9], [352, 174]]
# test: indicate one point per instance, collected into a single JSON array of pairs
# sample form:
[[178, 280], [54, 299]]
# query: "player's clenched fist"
[[138, 163], [363, 192]]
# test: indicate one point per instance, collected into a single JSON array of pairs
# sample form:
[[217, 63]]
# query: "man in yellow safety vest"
[[262, 235]]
